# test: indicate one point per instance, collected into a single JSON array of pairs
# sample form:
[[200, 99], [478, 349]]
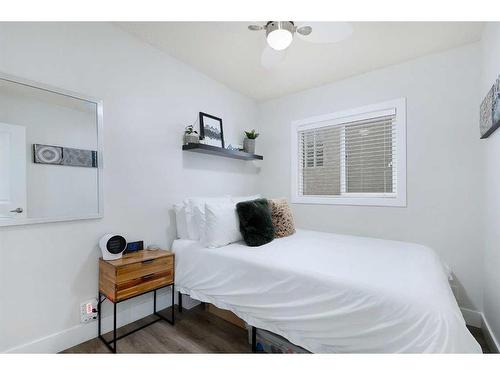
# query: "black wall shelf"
[[213, 150]]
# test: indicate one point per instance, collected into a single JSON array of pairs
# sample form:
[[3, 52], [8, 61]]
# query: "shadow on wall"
[[171, 230], [460, 293], [89, 271], [219, 164]]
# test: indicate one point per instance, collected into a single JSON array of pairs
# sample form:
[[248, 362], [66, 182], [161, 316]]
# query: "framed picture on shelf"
[[211, 132]]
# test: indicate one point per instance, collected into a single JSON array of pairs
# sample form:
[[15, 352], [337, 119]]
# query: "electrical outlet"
[[88, 311]]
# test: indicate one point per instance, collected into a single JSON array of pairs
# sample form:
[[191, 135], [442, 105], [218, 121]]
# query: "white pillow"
[[195, 215], [180, 219], [244, 199], [222, 225]]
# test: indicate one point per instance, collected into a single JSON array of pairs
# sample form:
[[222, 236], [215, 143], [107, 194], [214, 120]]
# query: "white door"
[[12, 171]]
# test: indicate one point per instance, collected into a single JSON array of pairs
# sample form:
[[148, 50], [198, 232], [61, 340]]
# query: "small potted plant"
[[191, 135], [249, 141]]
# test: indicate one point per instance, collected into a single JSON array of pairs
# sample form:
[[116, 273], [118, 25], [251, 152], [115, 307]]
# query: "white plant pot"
[[191, 138], [249, 145]]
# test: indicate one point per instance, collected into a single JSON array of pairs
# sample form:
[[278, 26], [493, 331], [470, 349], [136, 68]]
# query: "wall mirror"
[[50, 154]]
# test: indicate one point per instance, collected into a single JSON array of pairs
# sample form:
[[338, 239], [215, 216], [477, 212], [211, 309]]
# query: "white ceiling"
[[230, 53]]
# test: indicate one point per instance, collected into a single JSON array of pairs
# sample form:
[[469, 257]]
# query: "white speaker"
[[112, 246]]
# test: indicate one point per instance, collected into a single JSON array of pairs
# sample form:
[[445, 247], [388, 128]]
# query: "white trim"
[[75, 335], [398, 107], [59, 341], [472, 317], [489, 336], [477, 319], [294, 160], [350, 201], [342, 165], [355, 114], [27, 221]]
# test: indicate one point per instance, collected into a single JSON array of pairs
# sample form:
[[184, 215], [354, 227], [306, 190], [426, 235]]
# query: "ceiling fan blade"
[[326, 32], [304, 30], [255, 27], [270, 58]]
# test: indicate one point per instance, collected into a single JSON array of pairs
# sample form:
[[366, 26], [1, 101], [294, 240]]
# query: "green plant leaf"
[[251, 134]]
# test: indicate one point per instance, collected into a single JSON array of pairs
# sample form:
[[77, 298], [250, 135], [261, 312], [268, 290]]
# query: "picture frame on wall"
[[490, 111], [211, 131]]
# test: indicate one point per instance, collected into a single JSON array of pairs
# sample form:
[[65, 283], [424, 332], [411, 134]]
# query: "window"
[[351, 157]]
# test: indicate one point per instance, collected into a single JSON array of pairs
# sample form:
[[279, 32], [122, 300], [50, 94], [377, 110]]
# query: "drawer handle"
[[148, 261], [145, 277]]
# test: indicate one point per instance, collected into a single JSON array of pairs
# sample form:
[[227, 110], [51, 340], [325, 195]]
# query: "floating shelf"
[[213, 150]]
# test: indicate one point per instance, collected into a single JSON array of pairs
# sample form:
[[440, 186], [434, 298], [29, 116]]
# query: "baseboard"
[[489, 336], [77, 334], [472, 317], [477, 319], [58, 341]]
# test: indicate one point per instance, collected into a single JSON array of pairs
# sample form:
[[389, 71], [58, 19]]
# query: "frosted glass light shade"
[[279, 39]]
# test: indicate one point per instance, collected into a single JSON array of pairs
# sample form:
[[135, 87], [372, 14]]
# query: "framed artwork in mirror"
[[72, 157]]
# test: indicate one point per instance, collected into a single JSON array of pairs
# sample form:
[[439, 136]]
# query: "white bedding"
[[331, 293]]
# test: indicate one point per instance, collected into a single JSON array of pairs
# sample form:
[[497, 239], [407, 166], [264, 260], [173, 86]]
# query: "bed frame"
[[254, 330]]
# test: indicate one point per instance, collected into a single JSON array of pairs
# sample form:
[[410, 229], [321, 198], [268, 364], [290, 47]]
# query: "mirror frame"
[[100, 177]]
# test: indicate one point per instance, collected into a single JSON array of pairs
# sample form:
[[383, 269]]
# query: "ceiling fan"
[[280, 34]]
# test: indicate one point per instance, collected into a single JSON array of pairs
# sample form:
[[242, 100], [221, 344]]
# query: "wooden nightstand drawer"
[[143, 284], [135, 274], [146, 267]]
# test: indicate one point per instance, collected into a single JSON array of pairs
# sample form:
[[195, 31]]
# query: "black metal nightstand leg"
[[154, 302], [254, 339], [99, 315], [115, 338], [173, 306], [172, 320], [114, 327], [179, 302]]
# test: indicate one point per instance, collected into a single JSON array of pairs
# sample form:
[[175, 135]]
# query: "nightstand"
[[133, 275]]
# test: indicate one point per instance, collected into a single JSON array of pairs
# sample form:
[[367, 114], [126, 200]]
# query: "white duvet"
[[331, 293]]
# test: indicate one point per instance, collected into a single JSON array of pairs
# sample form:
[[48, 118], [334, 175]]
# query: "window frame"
[[397, 199]]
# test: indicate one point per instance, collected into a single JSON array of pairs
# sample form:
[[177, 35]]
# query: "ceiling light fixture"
[[279, 34]]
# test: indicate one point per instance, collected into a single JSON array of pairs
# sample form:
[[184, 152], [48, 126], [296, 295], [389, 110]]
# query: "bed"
[[331, 293]]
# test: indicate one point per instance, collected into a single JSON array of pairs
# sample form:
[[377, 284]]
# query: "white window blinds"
[[354, 156]]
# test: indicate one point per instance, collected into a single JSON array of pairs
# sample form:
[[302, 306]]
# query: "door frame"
[[17, 131]]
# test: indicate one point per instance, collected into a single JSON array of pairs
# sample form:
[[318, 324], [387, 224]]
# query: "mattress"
[[331, 293]]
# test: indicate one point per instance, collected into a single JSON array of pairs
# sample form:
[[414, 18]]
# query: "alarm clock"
[[112, 246], [134, 246]]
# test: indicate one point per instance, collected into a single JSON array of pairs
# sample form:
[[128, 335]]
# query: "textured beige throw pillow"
[[282, 217]]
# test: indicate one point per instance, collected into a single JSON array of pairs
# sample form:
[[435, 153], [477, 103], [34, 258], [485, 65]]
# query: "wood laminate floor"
[[195, 331], [478, 335]]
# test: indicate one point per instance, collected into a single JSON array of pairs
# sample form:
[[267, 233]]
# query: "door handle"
[[18, 210]]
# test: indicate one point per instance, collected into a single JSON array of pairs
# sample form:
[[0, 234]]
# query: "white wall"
[[490, 69], [47, 270], [443, 159]]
